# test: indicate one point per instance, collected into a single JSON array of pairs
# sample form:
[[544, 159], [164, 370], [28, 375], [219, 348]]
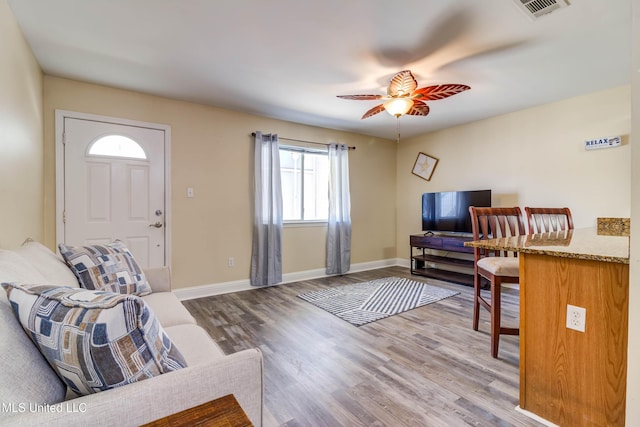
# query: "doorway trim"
[[60, 115]]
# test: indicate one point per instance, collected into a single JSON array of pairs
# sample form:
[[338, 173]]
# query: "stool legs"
[[495, 318], [476, 301], [494, 306]]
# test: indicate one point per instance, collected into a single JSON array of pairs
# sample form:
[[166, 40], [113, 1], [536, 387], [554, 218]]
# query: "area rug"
[[362, 303]]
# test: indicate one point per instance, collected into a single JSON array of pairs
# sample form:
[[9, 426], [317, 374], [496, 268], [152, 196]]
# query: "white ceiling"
[[288, 59]]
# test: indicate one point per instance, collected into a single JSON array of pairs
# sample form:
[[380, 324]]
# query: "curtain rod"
[[302, 140]]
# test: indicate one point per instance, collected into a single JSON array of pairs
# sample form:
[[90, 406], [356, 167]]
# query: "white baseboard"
[[244, 285]]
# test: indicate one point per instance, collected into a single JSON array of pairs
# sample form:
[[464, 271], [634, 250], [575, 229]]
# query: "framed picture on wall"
[[424, 166]]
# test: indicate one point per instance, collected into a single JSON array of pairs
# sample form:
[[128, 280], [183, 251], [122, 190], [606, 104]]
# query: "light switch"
[[190, 192]]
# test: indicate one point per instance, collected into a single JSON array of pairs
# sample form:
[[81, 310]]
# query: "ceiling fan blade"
[[444, 29], [402, 84], [433, 93], [372, 112], [419, 109], [487, 52], [360, 97]]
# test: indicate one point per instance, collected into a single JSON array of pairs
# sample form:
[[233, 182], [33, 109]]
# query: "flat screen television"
[[448, 211]]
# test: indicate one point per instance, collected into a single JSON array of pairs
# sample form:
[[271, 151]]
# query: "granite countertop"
[[581, 243]]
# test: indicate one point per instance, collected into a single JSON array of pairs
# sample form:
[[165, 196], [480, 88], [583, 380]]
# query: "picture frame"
[[424, 166]]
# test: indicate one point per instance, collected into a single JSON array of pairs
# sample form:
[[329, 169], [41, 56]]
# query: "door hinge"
[[64, 217]]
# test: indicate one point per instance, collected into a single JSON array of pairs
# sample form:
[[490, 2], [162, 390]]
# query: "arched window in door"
[[117, 146]]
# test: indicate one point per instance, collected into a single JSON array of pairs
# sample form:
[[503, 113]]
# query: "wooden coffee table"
[[222, 412]]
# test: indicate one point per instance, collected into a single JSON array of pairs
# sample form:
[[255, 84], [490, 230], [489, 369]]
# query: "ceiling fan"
[[404, 97]]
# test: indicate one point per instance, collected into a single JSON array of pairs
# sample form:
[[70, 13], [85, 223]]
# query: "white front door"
[[114, 187]]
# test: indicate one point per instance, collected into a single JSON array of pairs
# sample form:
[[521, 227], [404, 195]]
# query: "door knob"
[[156, 225]]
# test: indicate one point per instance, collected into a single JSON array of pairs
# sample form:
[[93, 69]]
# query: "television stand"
[[422, 247]]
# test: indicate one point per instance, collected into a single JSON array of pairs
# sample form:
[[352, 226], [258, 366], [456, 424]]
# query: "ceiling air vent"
[[534, 9]]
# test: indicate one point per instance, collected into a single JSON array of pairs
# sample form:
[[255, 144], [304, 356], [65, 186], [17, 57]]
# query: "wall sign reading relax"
[[606, 142]]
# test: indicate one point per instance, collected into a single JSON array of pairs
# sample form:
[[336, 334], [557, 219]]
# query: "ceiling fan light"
[[398, 106]]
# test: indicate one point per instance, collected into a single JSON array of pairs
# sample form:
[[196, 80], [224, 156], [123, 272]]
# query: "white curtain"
[[339, 230], [266, 256]]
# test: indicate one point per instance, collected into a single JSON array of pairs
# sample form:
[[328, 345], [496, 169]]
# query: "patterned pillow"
[[108, 267], [94, 340]]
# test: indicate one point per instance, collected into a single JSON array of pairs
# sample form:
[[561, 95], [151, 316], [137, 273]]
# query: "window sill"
[[300, 224]]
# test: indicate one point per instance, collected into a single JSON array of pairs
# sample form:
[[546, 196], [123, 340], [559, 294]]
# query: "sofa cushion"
[[49, 264], [168, 309], [109, 267], [25, 376], [159, 278], [94, 340], [196, 345], [14, 268]]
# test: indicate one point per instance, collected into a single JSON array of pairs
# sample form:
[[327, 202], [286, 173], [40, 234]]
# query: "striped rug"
[[362, 303]]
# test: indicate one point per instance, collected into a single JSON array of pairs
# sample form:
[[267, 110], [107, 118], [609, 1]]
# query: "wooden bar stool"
[[497, 267]]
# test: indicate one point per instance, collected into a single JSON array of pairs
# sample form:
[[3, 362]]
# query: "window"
[[305, 184], [449, 205], [117, 146]]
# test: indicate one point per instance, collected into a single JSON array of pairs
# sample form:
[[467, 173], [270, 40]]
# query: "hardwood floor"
[[424, 367]]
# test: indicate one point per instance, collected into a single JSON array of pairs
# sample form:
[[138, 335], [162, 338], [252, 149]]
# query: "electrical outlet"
[[576, 317], [231, 261]]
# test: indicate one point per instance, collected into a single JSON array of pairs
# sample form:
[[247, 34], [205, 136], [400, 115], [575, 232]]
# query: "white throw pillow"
[[14, 268], [50, 265]]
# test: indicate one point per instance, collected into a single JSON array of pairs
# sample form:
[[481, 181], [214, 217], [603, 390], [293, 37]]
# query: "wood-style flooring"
[[424, 367]]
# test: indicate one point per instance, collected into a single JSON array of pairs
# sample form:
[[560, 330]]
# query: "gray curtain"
[[266, 256], [339, 229]]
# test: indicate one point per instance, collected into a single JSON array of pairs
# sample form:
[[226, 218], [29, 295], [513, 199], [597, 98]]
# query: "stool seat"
[[501, 266]]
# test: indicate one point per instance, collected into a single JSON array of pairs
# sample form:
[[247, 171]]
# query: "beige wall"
[[212, 152], [533, 157], [20, 136]]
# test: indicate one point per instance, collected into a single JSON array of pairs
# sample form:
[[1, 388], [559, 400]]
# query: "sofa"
[[32, 393]]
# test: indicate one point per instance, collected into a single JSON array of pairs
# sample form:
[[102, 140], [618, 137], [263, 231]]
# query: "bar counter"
[[568, 377], [582, 243]]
